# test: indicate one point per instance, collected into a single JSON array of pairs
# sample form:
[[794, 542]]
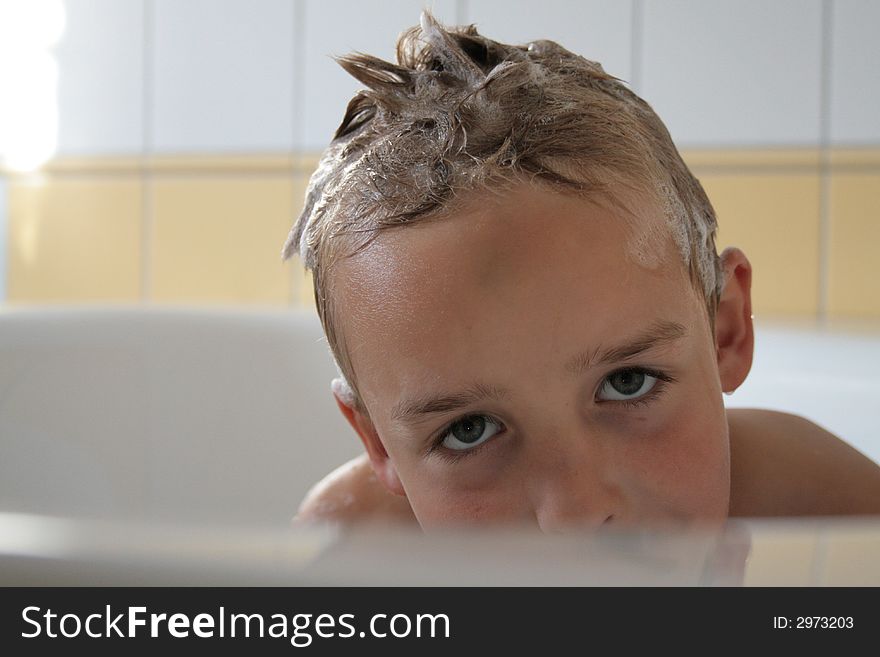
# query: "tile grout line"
[[825, 159], [299, 17], [4, 236], [820, 557], [146, 175], [460, 12], [635, 46]]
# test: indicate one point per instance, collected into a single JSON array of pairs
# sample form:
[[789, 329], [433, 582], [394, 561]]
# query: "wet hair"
[[459, 113]]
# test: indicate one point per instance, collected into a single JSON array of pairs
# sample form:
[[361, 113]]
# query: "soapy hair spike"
[[442, 52], [376, 73], [361, 109]]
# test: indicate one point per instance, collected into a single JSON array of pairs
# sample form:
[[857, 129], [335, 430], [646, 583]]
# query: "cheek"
[[682, 468], [438, 501], [687, 456]]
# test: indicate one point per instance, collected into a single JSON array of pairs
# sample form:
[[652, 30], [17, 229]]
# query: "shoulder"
[[785, 465], [351, 493]]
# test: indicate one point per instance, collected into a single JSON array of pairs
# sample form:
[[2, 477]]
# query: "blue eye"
[[469, 431], [627, 385]]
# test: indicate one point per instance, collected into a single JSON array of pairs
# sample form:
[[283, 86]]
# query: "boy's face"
[[520, 364]]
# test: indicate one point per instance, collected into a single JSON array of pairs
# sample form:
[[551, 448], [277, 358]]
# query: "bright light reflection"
[[29, 29]]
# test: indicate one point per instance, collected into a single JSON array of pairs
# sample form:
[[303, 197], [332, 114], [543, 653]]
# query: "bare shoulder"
[[785, 465], [351, 493]]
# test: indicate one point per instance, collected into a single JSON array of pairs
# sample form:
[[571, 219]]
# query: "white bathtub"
[[212, 415], [829, 374]]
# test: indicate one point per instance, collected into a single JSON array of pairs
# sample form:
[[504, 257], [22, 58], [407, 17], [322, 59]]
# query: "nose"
[[563, 520], [575, 495]]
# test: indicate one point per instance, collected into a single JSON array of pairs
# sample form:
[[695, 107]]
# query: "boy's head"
[[517, 276]]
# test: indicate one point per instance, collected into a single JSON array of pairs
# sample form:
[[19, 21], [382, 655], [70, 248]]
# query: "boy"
[[517, 277]]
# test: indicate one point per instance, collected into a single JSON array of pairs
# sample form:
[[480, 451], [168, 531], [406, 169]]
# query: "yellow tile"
[[307, 162], [744, 158], [774, 219], [219, 239], [863, 157], [781, 559], [212, 163], [852, 557], [855, 235], [74, 239], [301, 290], [93, 165]]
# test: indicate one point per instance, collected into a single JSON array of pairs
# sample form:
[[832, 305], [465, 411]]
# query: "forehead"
[[519, 271]]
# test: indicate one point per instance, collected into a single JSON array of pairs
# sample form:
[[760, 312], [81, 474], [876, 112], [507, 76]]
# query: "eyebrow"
[[661, 333], [411, 409]]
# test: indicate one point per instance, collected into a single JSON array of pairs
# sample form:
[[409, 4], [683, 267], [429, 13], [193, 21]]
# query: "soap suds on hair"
[[459, 113]]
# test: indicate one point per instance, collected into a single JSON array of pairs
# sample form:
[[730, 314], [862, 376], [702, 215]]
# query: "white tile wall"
[[222, 75], [100, 81], [734, 72], [855, 81], [597, 29], [3, 233], [257, 75], [337, 27]]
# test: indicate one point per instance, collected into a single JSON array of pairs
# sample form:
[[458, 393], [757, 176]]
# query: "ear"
[[381, 463], [734, 334]]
